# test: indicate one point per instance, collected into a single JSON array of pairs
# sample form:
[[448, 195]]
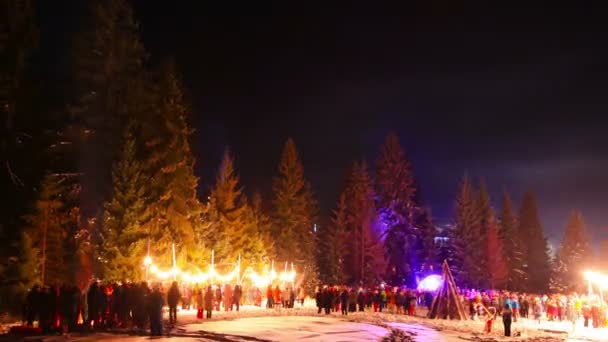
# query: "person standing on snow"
[[344, 298], [209, 301], [172, 300]]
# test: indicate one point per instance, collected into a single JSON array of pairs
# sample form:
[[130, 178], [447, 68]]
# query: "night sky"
[[516, 96]]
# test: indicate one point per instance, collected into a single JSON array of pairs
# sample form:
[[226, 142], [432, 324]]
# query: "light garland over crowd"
[[259, 280]]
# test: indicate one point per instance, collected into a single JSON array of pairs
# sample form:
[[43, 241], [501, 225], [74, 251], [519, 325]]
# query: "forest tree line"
[[102, 172]]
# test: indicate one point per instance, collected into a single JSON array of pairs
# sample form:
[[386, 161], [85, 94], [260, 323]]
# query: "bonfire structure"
[[447, 303]]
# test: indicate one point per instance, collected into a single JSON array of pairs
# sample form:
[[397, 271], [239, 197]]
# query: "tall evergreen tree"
[[294, 214], [48, 228], [107, 66], [173, 201], [482, 203], [497, 267], [427, 252], [125, 226], [396, 208], [536, 254], [464, 239], [511, 242], [575, 252], [333, 246], [236, 231], [365, 258], [18, 168]]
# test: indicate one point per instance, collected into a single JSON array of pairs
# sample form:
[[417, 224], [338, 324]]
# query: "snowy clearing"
[[304, 324]]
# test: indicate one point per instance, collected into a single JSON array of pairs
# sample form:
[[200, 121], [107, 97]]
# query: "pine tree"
[[19, 122], [108, 68], [332, 249], [125, 225], [535, 250], [365, 257], [497, 267], [484, 211], [395, 189], [173, 201], [509, 236], [18, 275], [464, 239], [235, 231], [48, 228], [427, 252], [294, 214], [575, 252]]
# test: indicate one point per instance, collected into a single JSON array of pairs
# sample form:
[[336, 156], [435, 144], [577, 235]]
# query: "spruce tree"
[[427, 253], [511, 242], [482, 203], [464, 239], [497, 267], [125, 226], [18, 275], [107, 61], [366, 259], [535, 250], [575, 252], [294, 214], [48, 228], [396, 208], [332, 249], [19, 128], [170, 165], [235, 231]]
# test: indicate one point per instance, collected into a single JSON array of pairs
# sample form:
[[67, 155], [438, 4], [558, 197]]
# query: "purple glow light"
[[430, 283]]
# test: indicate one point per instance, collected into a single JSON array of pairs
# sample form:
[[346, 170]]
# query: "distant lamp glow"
[[147, 261], [430, 283]]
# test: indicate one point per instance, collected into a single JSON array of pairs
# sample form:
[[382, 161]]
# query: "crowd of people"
[[139, 306], [125, 305], [390, 299]]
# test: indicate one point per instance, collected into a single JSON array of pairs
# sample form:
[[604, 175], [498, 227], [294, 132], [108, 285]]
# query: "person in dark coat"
[[66, 307], [172, 299], [209, 301], [327, 300], [139, 298], [155, 311], [344, 297], [506, 319], [218, 298], [361, 300], [32, 304], [319, 300], [236, 296]]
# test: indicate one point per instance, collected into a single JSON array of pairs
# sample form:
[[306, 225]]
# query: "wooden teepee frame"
[[447, 303]]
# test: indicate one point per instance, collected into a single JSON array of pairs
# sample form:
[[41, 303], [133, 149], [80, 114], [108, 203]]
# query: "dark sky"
[[517, 96]]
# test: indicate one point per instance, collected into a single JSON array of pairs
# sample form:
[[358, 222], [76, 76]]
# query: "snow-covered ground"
[[304, 324]]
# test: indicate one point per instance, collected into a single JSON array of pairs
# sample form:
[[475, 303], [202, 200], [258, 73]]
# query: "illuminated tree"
[[174, 205], [497, 267], [48, 227], [237, 227], [294, 213], [396, 209], [125, 224], [535, 250]]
